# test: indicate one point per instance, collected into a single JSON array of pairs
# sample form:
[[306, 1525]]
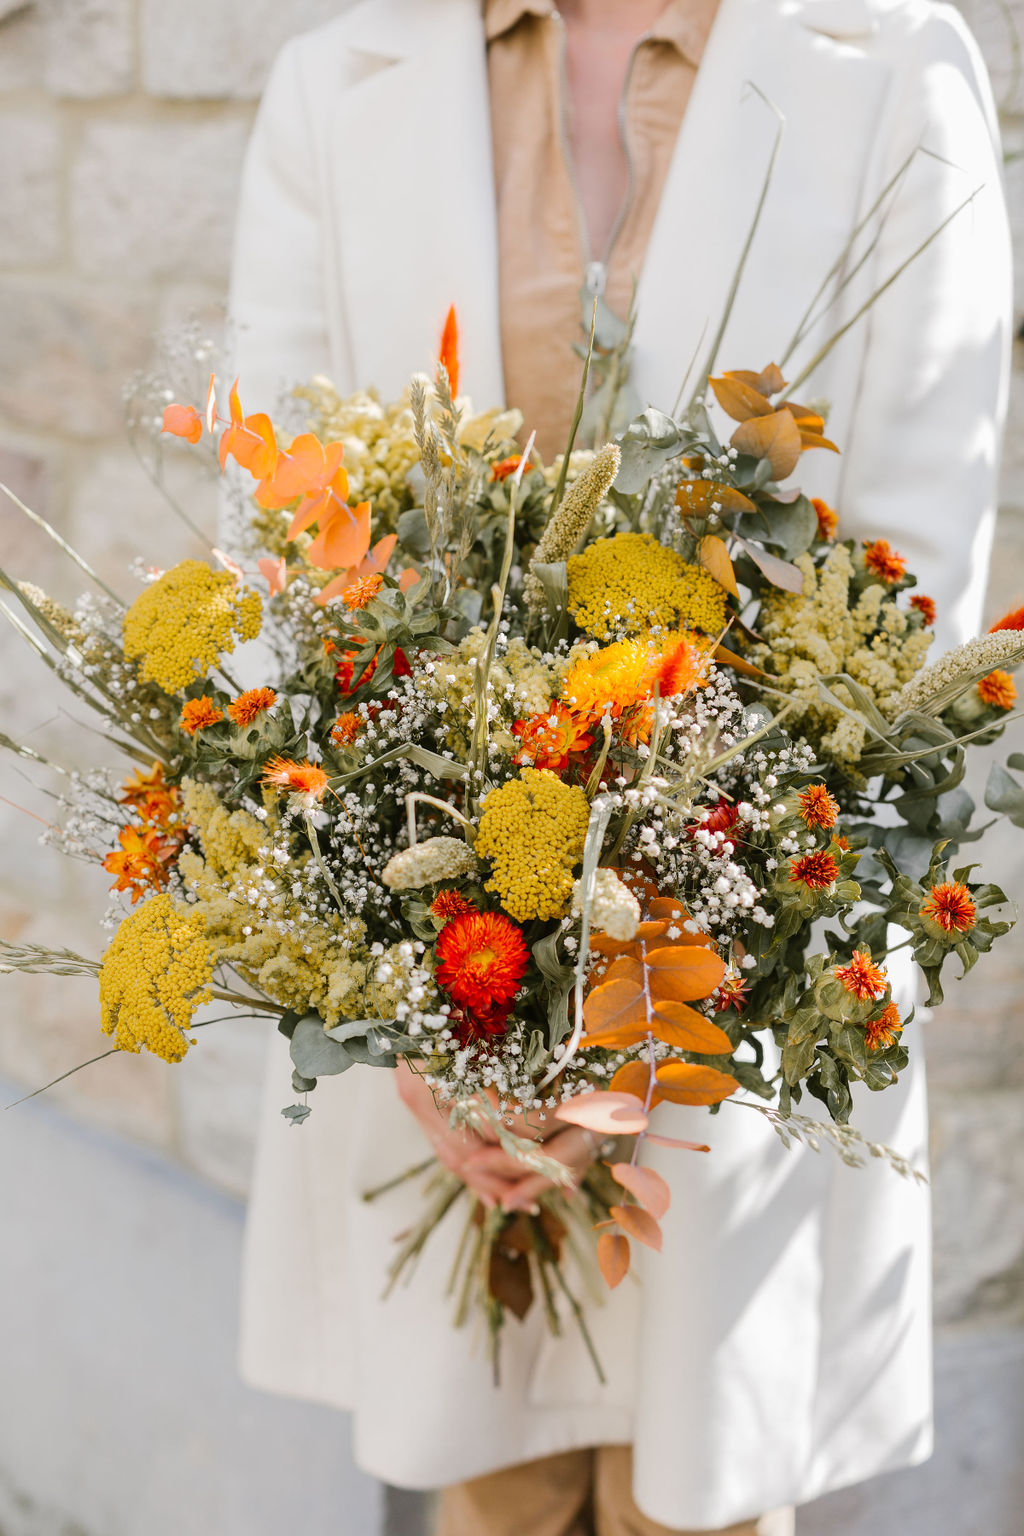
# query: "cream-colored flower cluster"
[[614, 909], [820, 633], [974, 657], [436, 858], [522, 682], [258, 915]]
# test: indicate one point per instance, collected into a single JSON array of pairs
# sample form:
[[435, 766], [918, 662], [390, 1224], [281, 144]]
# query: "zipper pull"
[[595, 277]]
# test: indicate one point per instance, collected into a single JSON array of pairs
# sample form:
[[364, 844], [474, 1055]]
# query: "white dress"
[[780, 1346]]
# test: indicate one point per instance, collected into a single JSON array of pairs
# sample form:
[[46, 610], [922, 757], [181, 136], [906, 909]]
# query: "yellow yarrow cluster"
[[820, 633], [154, 976], [301, 962], [532, 829], [181, 625], [630, 583]]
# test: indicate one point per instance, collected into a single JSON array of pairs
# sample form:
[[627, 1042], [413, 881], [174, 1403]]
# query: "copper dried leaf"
[[714, 557], [738, 399], [691, 970], [646, 1187], [613, 1257], [685, 1082], [638, 1223], [775, 438]]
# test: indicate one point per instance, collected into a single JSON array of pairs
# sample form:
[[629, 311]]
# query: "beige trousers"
[[579, 1493]]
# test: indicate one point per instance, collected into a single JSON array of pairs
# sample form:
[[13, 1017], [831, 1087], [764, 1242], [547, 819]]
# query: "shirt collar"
[[686, 24]]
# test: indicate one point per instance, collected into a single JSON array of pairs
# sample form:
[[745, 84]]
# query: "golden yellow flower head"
[[630, 583], [181, 625], [532, 829], [155, 974]]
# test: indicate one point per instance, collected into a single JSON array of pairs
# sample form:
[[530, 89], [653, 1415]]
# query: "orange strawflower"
[[862, 977], [506, 467], [550, 739], [998, 689], [817, 870], [950, 906], [881, 558], [882, 1032], [197, 714], [346, 728], [302, 779], [250, 705], [481, 959], [678, 668], [614, 678], [924, 605], [448, 356], [817, 807], [361, 592], [828, 521], [449, 904], [141, 863], [1012, 620]]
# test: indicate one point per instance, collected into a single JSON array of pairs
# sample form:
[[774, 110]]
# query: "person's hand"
[[570, 1144], [457, 1150]]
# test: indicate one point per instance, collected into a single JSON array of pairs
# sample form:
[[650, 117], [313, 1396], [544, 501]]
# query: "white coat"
[[780, 1346]]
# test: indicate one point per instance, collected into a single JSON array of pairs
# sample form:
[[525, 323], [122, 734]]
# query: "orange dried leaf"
[[738, 663], [183, 421], [696, 498], [634, 1077], [613, 1114], [625, 968], [603, 945], [740, 399], [775, 438], [769, 381], [673, 1141], [613, 1257], [638, 1223], [646, 1186], [714, 557], [685, 971], [684, 1082]]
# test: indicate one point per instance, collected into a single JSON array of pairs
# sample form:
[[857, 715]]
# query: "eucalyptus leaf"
[[781, 573], [1004, 794], [314, 1053], [647, 444]]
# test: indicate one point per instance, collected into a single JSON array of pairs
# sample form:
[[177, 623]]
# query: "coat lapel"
[[813, 63], [414, 207]]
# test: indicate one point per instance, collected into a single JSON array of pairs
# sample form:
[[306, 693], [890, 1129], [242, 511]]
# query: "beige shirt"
[[542, 237]]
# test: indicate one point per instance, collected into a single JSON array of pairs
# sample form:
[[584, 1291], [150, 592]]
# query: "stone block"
[[220, 48], [978, 1183], [219, 1087], [117, 513], [999, 27], [156, 200], [68, 349], [1011, 487], [30, 187], [90, 46], [29, 474], [21, 48]]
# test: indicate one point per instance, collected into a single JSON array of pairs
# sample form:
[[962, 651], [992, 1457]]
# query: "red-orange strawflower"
[[550, 739], [884, 1031], [817, 807], [506, 467], [828, 521], [925, 606], [481, 959], [732, 994], [862, 977], [998, 689], [141, 863], [1012, 620], [197, 714], [720, 817], [449, 904], [346, 728], [817, 870], [880, 557], [343, 672], [251, 704], [950, 906], [302, 779], [362, 591]]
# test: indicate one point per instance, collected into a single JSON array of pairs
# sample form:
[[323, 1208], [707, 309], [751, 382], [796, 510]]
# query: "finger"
[[494, 1161]]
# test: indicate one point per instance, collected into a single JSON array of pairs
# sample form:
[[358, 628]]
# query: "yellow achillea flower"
[[154, 976], [532, 829], [181, 625], [630, 583]]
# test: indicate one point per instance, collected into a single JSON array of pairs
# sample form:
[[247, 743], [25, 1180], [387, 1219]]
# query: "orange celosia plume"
[[448, 356]]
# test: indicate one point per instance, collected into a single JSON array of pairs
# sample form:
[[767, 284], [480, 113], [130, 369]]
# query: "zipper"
[[595, 272]]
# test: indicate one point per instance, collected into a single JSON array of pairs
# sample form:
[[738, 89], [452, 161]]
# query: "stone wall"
[[122, 126]]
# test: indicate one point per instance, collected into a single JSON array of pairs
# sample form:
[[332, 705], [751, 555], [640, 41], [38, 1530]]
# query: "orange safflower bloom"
[[550, 739], [950, 906], [881, 558], [828, 521], [862, 977], [678, 668], [998, 689], [141, 863], [449, 904], [925, 606], [197, 714], [361, 592], [140, 787], [448, 356], [817, 807], [1012, 620], [346, 728], [302, 779], [882, 1032], [183, 421], [251, 704], [481, 959], [817, 870]]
